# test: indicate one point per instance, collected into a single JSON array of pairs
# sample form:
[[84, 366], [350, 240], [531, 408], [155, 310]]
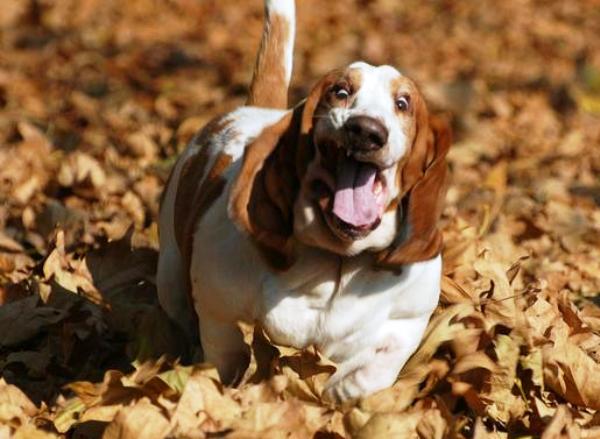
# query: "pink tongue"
[[354, 201]]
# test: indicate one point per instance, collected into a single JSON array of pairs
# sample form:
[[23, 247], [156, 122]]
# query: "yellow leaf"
[[177, 377], [69, 415]]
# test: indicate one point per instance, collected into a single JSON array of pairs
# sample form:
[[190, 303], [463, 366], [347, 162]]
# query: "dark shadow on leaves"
[[43, 346]]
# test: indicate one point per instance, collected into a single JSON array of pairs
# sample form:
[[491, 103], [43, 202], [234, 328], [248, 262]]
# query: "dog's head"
[[359, 166]]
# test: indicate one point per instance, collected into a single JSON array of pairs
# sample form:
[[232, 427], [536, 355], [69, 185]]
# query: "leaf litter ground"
[[98, 97]]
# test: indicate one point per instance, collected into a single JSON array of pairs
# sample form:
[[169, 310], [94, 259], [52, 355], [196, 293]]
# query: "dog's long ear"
[[424, 183], [263, 194]]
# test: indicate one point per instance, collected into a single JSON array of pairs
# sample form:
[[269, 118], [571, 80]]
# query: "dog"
[[319, 223]]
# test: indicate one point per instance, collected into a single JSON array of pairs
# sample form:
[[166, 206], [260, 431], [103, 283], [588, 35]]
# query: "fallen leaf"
[[24, 319], [142, 420], [571, 373]]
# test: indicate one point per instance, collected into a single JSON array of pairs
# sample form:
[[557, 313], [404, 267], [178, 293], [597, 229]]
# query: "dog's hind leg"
[[172, 286], [273, 68]]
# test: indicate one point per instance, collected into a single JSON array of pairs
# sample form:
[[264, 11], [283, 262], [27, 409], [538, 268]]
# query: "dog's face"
[[359, 166], [364, 126]]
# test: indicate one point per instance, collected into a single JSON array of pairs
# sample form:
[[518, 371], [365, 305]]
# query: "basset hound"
[[318, 223]]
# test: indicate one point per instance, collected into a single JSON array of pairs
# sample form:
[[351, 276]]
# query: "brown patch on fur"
[[263, 194], [269, 87], [351, 80], [316, 98], [214, 126], [354, 78], [194, 199], [192, 172], [392, 206], [197, 190], [403, 85]]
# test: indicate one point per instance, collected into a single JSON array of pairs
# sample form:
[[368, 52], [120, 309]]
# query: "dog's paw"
[[344, 389], [361, 382]]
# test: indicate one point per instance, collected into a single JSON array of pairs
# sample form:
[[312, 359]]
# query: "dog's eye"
[[402, 103], [341, 93]]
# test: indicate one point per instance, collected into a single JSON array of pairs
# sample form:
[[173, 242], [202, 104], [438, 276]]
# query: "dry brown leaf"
[[591, 315], [142, 145], [533, 362], [480, 432], [495, 180], [80, 168], [476, 360], [15, 406], [397, 425], [504, 404], [466, 342], [539, 317], [452, 292], [262, 353], [142, 420], [424, 420], [31, 432], [24, 319], [4, 432], [307, 373], [561, 425], [221, 409], [501, 304], [433, 425], [571, 373], [286, 419]]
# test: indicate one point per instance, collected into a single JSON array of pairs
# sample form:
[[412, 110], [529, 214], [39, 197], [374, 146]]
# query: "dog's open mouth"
[[353, 201]]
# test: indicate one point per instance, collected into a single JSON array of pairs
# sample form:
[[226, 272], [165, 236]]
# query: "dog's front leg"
[[378, 366]]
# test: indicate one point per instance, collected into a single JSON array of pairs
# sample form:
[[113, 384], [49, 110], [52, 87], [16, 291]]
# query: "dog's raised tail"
[[273, 68]]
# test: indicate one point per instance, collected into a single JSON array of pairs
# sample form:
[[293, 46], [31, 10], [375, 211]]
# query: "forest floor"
[[97, 97]]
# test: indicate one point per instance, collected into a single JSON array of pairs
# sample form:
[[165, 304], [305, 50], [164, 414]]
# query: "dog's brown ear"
[[424, 183], [263, 195]]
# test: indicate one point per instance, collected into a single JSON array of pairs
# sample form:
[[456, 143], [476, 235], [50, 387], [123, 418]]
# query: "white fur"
[[369, 322]]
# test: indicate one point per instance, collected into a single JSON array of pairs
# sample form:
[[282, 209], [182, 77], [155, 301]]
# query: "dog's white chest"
[[339, 307]]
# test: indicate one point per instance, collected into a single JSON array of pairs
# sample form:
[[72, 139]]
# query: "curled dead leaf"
[[571, 373]]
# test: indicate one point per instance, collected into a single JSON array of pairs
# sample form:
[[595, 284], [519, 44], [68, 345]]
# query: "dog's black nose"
[[366, 133]]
